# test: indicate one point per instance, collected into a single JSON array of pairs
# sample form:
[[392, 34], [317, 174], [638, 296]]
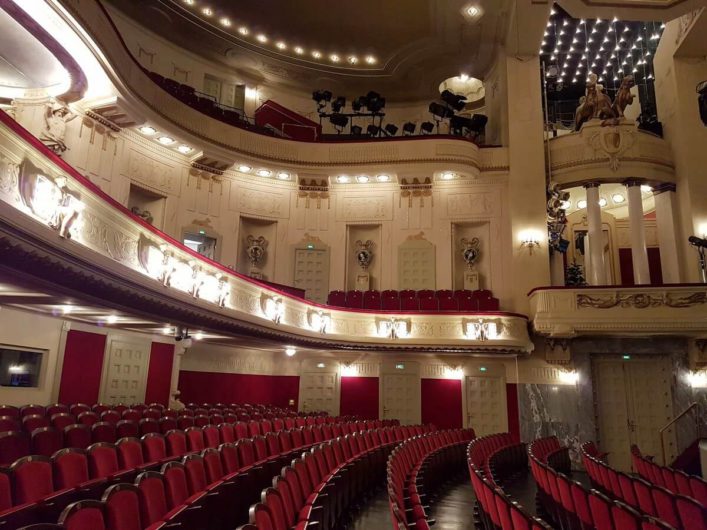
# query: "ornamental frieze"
[[641, 300]]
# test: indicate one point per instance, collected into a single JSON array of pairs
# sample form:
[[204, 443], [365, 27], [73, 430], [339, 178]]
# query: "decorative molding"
[[641, 300]]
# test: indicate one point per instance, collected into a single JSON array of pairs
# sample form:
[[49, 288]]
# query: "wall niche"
[[257, 241]]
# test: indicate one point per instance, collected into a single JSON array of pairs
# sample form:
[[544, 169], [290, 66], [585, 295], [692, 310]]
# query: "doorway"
[[633, 401], [400, 392], [486, 409]]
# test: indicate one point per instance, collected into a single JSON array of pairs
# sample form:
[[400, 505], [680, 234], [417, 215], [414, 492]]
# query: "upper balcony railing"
[[56, 210], [138, 89], [678, 309]]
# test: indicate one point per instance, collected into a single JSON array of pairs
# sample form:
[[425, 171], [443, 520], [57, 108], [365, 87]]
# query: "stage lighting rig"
[[390, 129], [409, 129]]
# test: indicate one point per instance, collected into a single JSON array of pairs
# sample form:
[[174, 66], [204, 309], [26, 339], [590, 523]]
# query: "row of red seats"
[[497, 511], [676, 509], [35, 486], [505, 462], [330, 480], [409, 300], [47, 440], [416, 470], [572, 506], [671, 479]]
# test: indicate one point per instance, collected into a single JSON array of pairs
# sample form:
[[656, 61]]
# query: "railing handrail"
[[693, 405]]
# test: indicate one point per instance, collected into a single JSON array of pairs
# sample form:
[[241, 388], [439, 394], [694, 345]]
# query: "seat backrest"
[[699, 490], [32, 478], [212, 465], [176, 442], [122, 507], [87, 417], [195, 439], [129, 453], [148, 425], [665, 508], [167, 424], [176, 486], [154, 447], [103, 431], [79, 408], [692, 514], [9, 410], [60, 420], [211, 436], [196, 473], [70, 468], [153, 499], [32, 410], [46, 441], [132, 415], [34, 421], [110, 416], [102, 460], [227, 433], [127, 429], [13, 445], [86, 514], [77, 435], [600, 506], [625, 517]]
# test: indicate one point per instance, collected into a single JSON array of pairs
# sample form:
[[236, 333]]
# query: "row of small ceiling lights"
[[282, 46], [616, 198], [607, 48], [364, 179], [167, 141]]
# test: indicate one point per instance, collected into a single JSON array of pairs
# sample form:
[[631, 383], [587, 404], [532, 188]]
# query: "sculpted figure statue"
[[623, 98], [587, 104], [56, 116]]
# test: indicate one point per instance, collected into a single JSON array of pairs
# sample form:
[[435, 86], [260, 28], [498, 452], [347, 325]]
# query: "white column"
[[179, 352], [637, 229], [557, 269], [596, 237], [667, 235]]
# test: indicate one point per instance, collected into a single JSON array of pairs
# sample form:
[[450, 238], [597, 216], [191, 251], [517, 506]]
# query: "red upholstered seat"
[[13, 445], [9, 410], [77, 435], [83, 515], [103, 431], [32, 410], [201, 420], [176, 443], [428, 301], [132, 415], [665, 507], [337, 298], [625, 517], [148, 425], [195, 439], [354, 299], [211, 436], [62, 420], [9, 423], [110, 416], [152, 413], [600, 506], [100, 408], [127, 429], [227, 433], [152, 496], [33, 479], [46, 441], [390, 300], [103, 460], [130, 454], [87, 417], [372, 300], [184, 422], [34, 421], [652, 523], [693, 515], [56, 408], [122, 507], [447, 302], [409, 302], [699, 490], [70, 467], [78, 408]]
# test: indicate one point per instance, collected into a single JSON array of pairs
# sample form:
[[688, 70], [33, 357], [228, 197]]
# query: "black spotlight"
[[374, 102], [322, 97], [338, 104], [390, 129], [426, 127], [339, 121], [453, 100], [373, 130], [359, 103], [356, 130], [440, 112], [459, 125], [408, 129]]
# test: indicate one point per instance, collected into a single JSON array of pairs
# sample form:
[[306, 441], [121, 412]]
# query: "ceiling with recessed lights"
[[401, 49]]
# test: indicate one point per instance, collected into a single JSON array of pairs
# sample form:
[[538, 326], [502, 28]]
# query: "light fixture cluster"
[[362, 179], [164, 139], [243, 32], [264, 172], [610, 49]]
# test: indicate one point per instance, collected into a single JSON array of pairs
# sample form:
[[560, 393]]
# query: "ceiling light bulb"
[[566, 22], [352, 59], [299, 50], [549, 24], [362, 179], [283, 175], [225, 22], [262, 38], [316, 54], [448, 175], [334, 58], [343, 179], [370, 59], [646, 189], [472, 11], [383, 178], [463, 77], [244, 168], [243, 30], [207, 11], [165, 140], [112, 319], [147, 130], [189, 2], [198, 335], [566, 205], [184, 149], [263, 172], [281, 45], [618, 198], [581, 204], [167, 330], [602, 202], [290, 351]]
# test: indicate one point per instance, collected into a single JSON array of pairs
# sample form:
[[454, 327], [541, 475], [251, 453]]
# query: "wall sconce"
[[453, 373], [697, 379], [272, 307], [318, 320], [349, 370], [569, 377], [151, 257], [394, 328], [529, 239], [481, 330]]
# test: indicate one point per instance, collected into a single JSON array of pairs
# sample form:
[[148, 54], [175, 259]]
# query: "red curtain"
[[442, 402], [212, 387], [359, 397], [513, 413], [83, 364]]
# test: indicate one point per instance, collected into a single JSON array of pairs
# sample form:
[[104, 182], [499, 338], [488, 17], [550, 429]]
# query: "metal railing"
[[695, 406]]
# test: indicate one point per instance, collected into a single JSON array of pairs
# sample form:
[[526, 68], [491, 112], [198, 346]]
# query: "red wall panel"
[[442, 402], [359, 397], [513, 413], [83, 364], [159, 374], [654, 267], [212, 387]]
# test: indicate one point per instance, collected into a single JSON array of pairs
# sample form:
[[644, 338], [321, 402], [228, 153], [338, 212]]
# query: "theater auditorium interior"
[[353, 265]]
